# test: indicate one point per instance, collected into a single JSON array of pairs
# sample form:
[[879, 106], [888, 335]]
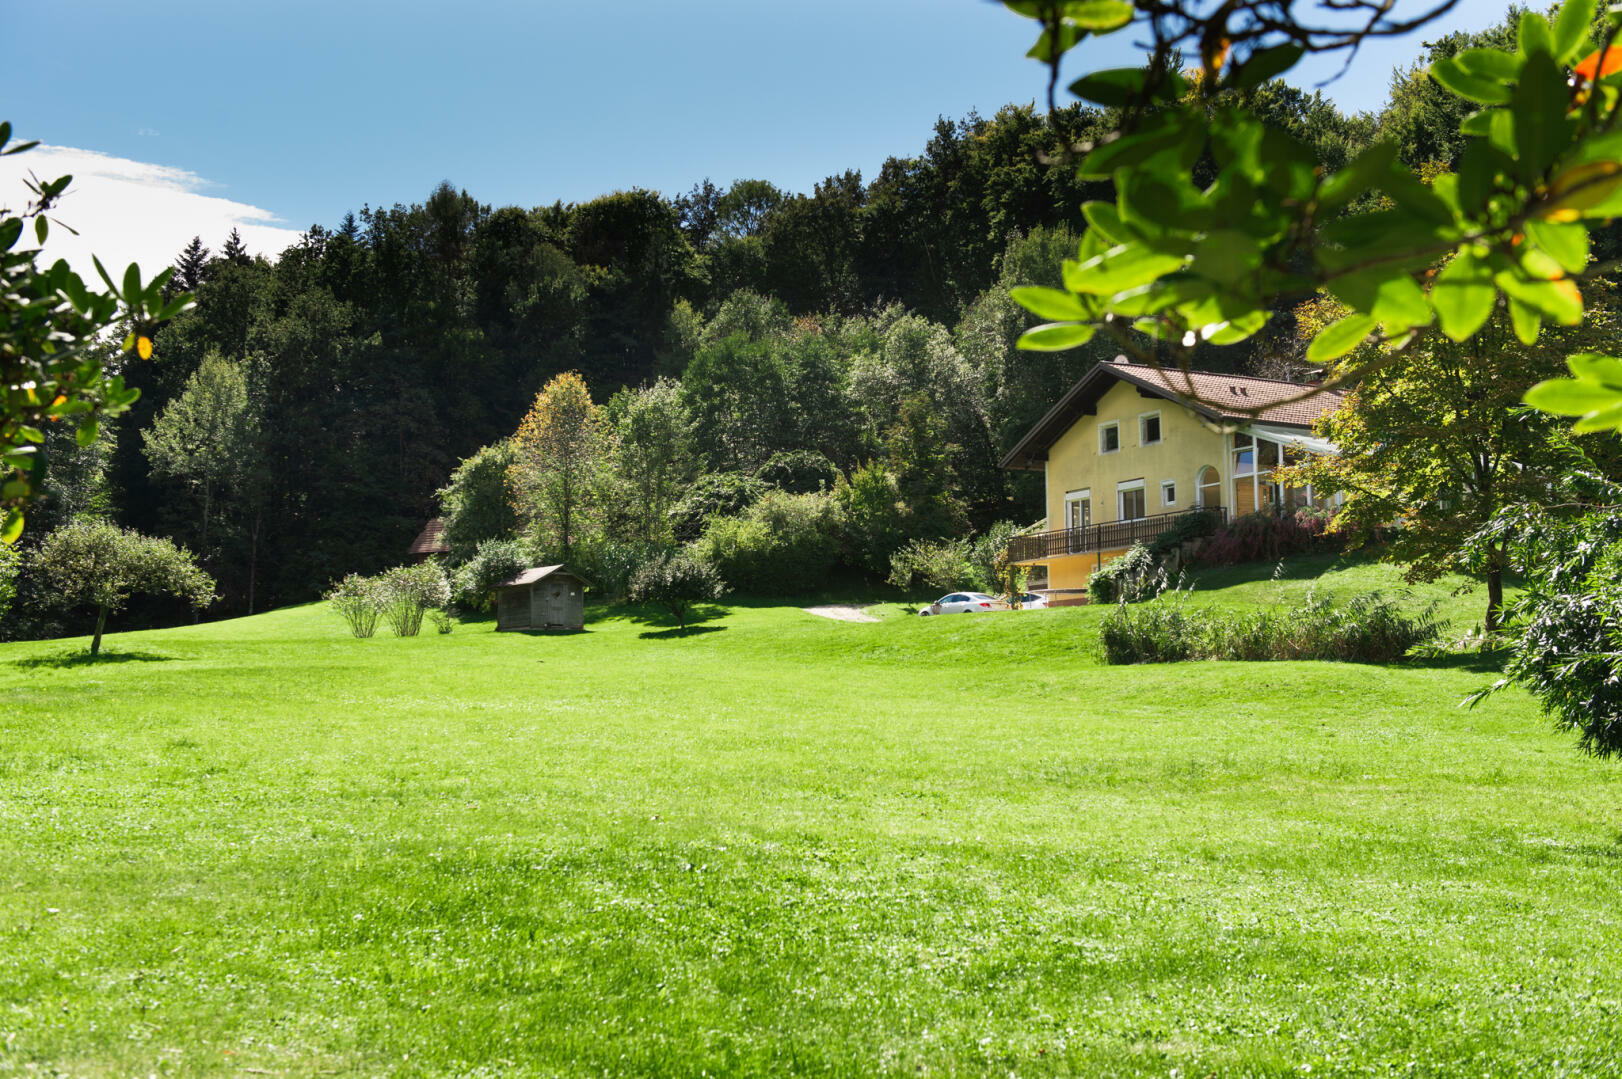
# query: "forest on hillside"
[[305, 419]]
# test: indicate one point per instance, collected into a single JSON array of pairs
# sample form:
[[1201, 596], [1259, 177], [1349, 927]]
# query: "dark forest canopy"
[[866, 323]]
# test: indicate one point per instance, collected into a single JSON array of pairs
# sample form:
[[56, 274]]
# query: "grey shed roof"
[[530, 576]]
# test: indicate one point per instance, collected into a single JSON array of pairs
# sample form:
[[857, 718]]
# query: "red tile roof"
[[431, 540], [1234, 397]]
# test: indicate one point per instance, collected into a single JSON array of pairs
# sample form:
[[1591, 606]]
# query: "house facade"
[[1131, 448]]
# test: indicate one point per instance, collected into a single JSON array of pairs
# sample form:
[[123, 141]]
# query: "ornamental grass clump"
[[1364, 629]]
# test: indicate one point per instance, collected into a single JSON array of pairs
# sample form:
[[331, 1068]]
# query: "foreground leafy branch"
[[52, 354], [1168, 265]]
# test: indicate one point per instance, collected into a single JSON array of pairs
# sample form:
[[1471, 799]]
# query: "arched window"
[[1208, 488]]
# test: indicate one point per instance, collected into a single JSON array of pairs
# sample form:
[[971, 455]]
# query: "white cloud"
[[131, 211]]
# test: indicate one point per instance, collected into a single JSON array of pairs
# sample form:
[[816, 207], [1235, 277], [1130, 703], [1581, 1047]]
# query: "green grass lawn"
[[785, 845]]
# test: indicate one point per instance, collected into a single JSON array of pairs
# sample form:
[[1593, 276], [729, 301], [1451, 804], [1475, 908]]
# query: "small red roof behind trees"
[[431, 540]]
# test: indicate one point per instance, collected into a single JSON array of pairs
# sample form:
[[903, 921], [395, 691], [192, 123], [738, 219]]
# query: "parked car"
[[1030, 601], [964, 603]]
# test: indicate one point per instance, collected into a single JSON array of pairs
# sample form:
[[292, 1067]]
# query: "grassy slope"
[[784, 844]]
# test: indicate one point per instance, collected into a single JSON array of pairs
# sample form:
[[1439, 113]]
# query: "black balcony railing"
[[1111, 536]]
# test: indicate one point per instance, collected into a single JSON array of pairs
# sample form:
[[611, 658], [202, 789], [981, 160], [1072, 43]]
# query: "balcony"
[[1111, 536]]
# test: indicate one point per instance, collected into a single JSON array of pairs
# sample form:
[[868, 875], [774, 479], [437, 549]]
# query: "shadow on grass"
[[649, 615], [674, 634], [85, 659], [1475, 662], [547, 632]]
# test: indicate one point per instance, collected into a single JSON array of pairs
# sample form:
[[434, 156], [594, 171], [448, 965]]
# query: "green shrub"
[[359, 600], [799, 472], [1365, 629], [1161, 632], [10, 564], [715, 494], [783, 545], [475, 506], [875, 523], [676, 582], [409, 592], [988, 552], [1134, 576], [1195, 524], [611, 564], [945, 566], [493, 561]]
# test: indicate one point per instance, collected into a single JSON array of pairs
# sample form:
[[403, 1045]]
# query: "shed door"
[[554, 602]]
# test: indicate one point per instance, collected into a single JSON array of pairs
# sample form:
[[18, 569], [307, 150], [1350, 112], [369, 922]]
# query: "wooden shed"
[[546, 597]]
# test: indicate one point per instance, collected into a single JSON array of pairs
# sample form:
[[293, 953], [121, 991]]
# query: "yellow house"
[[1130, 448]]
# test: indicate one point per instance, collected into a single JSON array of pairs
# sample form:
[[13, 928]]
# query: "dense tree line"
[[737, 339]]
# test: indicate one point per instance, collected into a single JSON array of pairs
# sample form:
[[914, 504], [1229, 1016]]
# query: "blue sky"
[[303, 110]]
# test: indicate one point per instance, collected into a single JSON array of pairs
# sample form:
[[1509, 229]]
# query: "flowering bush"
[[357, 599], [409, 592]]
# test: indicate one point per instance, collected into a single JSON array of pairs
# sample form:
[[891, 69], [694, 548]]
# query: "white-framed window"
[[1168, 492], [1148, 428], [1078, 508], [1131, 502], [1109, 437]]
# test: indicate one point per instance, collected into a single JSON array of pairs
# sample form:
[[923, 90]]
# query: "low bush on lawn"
[[400, 596], [1134, 576], [1364, 629]]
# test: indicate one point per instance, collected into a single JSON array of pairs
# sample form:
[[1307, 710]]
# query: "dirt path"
[[840, 612]]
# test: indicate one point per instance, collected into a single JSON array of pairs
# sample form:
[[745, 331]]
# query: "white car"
[[1030, 601], [964, 603]]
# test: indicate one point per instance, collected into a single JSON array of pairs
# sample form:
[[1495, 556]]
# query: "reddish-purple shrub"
[[1259, 537]]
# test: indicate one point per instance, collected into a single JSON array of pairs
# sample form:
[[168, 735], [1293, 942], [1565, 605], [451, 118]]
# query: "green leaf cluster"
[[1508, 229], [52, 368]]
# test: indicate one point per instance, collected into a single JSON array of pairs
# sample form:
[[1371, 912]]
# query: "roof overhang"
[[539, 573], [1031, 453], [1293, 436]]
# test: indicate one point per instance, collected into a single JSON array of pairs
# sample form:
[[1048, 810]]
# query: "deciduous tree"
[[677, 582], [562, 448], [95, 564], [1435, 443], [209, 436]]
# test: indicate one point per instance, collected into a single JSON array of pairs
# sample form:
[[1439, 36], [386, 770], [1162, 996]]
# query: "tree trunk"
[[101, 622], [253, 555], [208, 499], [1495, 597]]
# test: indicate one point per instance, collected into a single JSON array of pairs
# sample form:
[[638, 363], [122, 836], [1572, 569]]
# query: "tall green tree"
[[476, 505], [655, 455], [562, 450], [1436, 443], [209, 437]]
